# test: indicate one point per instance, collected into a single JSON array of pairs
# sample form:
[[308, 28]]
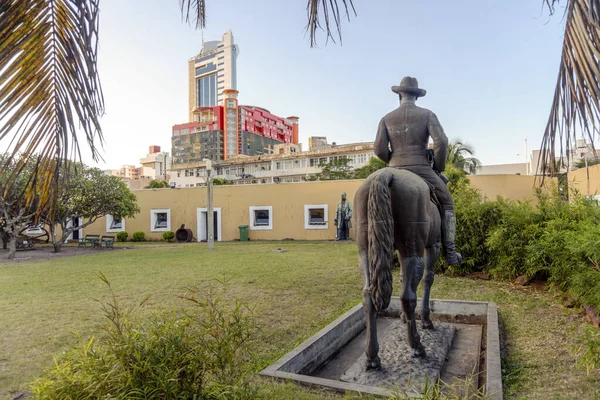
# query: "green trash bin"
[[244, 233]]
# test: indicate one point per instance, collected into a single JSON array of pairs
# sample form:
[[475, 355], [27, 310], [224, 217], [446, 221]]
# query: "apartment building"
[[287, 163]]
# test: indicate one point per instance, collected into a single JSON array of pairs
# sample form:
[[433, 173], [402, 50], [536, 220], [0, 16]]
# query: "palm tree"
[[50, 90], [459, 156]]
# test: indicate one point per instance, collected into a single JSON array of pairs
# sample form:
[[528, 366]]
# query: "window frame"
[[255, 227], [307, 224], [154, 213], [109, 221]]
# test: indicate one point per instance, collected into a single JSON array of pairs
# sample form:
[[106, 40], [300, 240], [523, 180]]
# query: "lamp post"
[[209, 212]]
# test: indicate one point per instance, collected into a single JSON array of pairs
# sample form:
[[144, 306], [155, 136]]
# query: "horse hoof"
[[427, 324], [420, 351], [374, 363]]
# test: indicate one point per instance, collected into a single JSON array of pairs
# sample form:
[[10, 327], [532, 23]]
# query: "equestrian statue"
[[405, 207]]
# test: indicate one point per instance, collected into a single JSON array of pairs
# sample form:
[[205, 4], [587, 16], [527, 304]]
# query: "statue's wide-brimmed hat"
[[409, 85]]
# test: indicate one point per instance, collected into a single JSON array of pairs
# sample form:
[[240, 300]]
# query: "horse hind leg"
[[431, 255], [372, 345], [411, 271]]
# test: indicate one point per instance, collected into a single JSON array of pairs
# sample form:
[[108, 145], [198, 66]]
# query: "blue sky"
[[489, 69]]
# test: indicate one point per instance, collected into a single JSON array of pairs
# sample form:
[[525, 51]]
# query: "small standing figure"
[[343, 214]]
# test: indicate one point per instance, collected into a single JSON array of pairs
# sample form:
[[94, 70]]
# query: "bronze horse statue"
[[393, 209]]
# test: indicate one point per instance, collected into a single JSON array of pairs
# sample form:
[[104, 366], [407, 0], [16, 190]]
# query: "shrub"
[[507, 243], [588, 349], [475, 217], [168, 236], [138, 236], [122, 236], [202, 354]]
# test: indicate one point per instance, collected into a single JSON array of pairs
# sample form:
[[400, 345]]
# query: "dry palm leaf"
[[576, 103]]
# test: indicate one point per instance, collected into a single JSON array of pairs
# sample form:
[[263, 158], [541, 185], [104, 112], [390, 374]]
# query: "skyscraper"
[[212, 71]]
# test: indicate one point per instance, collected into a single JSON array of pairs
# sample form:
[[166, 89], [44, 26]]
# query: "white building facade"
[[289, 166]]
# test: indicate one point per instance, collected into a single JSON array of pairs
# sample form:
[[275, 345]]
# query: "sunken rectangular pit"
[[332, 358]]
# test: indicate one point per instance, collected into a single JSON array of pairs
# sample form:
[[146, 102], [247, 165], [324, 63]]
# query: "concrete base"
[[323, 358], [399, 367]]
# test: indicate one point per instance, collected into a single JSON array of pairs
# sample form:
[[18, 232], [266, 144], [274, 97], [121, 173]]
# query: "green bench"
[[108, 242], [94, 240]]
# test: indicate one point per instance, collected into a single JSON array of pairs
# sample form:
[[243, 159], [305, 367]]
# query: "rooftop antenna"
[[202, 31]]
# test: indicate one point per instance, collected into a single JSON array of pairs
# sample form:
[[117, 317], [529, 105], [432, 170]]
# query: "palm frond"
[[194, 10], [49, 87], [576, 103], [327, 9]]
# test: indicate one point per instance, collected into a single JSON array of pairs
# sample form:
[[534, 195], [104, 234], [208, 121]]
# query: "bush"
[[588, 349], [168, 236], [507, 243], [202, 354], [122, 236], [475, 217], [138, 236]]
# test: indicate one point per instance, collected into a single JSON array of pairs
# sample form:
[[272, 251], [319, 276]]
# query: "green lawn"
[[294, 294]]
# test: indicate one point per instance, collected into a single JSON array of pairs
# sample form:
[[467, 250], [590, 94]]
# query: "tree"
[[586, 162], [221, 181], [89, 194], [16, 211], [336, 169], [157, 184], [458, 156], [373, 165]]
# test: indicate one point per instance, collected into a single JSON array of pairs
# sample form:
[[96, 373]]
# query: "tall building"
[[210, 72], [219, 128]]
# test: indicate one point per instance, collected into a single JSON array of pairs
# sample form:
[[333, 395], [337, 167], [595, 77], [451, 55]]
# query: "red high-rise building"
[[221, 132]]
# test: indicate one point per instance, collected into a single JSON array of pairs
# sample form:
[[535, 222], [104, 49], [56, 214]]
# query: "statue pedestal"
[[334, 357], [399, 367]]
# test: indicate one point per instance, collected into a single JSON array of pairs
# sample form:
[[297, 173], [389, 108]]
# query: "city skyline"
[[490, 71]]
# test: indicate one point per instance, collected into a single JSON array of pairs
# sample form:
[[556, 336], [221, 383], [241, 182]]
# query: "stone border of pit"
[[299, 363]]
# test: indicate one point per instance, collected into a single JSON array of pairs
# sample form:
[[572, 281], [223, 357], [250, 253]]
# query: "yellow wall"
[[578, 179], [287, 200], [514, 187]]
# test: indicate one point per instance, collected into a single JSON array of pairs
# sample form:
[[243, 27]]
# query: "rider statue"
[[402, 140], [342, 221]]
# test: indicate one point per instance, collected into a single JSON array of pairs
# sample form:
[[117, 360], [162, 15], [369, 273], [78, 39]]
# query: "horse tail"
[[380, 240]]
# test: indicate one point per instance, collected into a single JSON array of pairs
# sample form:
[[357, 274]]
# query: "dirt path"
[[46, 252]]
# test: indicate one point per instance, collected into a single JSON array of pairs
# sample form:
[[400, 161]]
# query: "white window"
[[114, 224], [261, 218], [315, 216], [160, 220]]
